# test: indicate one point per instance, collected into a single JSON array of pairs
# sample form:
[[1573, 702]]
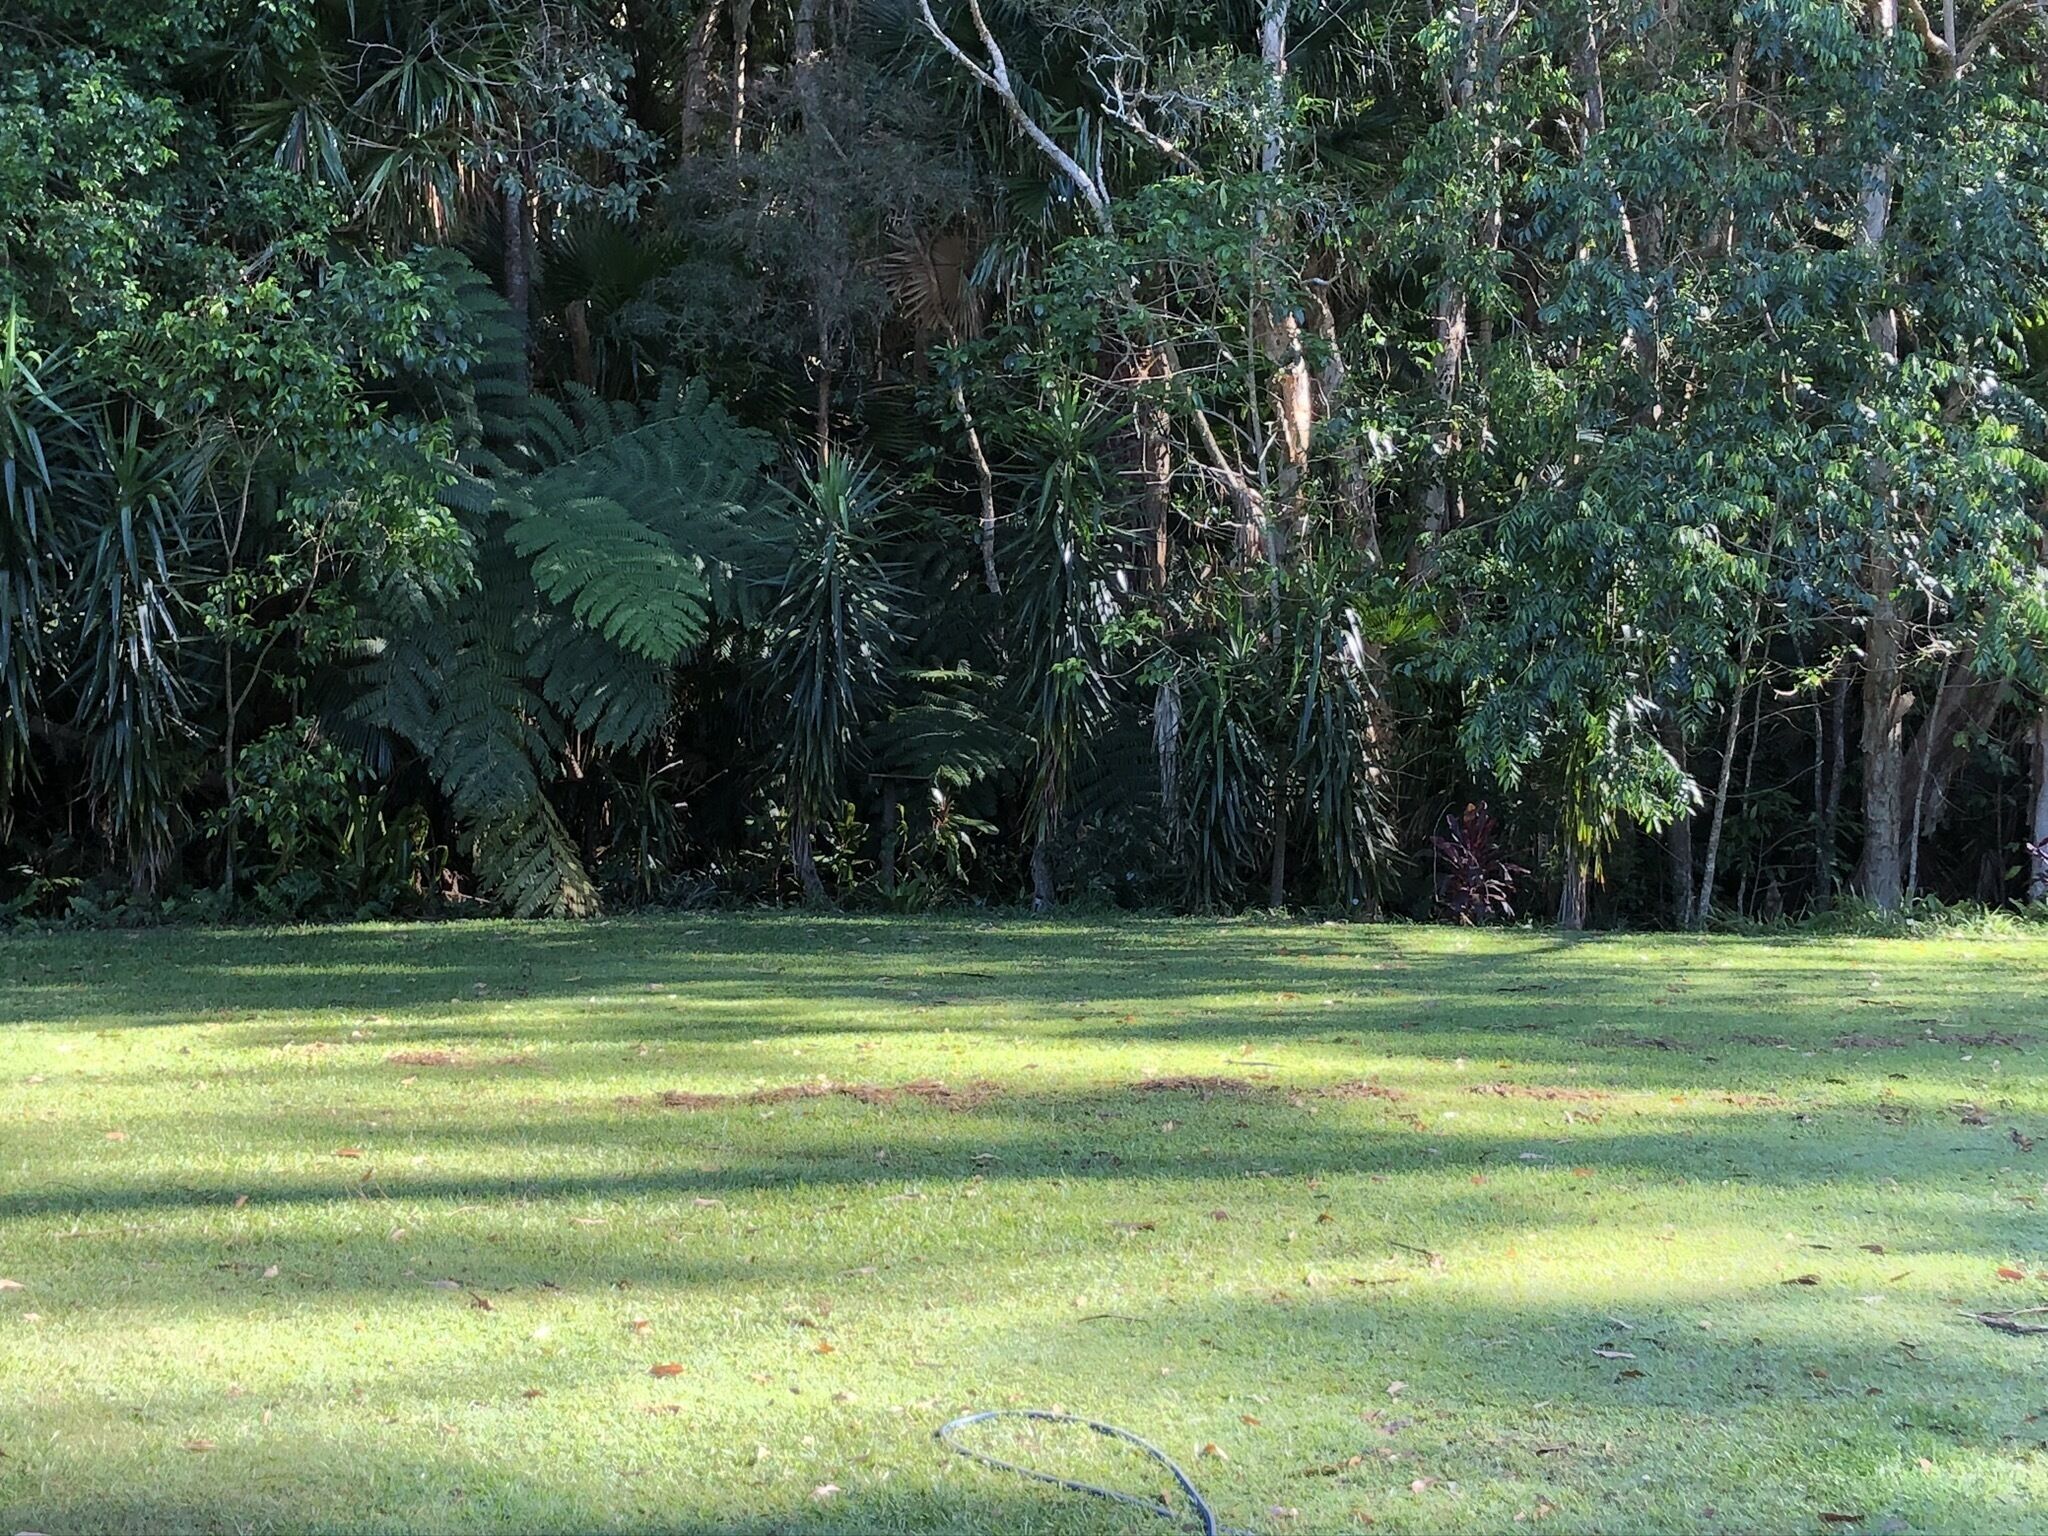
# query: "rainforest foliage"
[[1582, 457]]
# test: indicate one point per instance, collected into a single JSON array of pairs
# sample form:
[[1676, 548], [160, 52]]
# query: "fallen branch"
[[2008, 1322]]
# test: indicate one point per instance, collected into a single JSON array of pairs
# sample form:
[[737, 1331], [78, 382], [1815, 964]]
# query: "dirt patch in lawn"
[[924, 1090], [1202, 1087]]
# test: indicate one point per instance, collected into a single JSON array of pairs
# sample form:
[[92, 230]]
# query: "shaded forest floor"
[[386, 1227]]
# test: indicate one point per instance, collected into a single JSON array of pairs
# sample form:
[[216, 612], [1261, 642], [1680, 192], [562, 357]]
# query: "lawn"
[[390, 1228]]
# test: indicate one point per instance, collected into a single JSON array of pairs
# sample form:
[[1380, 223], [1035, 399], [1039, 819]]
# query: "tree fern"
[[608, 536]]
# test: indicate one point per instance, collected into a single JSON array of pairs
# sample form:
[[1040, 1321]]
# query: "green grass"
[[234, 1208]]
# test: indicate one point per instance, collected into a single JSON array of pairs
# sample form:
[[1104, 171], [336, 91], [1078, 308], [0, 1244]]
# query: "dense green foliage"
[[548, 454]]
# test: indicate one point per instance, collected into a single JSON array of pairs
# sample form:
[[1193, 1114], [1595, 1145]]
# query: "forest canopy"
[[1518, 456]]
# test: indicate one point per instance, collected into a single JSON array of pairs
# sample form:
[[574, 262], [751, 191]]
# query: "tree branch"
[[994, 76]]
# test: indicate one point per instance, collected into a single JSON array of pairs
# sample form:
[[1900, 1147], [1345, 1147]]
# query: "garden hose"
[[1199, 1514]]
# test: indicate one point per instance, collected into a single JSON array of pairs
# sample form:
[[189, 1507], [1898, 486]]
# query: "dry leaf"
[[1214, 1451], [666, 1368], [2007, 1272], [641, 1325], [532, 1392], [199, 1445], [117, 1135], [824, 1346], [1802, 1280], [348, 1151], [1246, 1418], [12, 1285], [825, 1491], [270, 1273]]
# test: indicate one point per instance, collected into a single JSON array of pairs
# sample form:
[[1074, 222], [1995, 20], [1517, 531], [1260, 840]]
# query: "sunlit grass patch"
[[381, 1228]]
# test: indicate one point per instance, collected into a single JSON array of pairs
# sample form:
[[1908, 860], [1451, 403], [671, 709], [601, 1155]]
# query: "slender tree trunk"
[[1838, 777], [892, 837], [582, 353], [1880, 878], [1293, 399], [1453, 316], [697, 71], [801, 855], [1043, 896], [742, 23], [1680, 835], [985, 484], [1703, 906], [518, 249], [1276, 869], [2037, 854], [1573, 901]]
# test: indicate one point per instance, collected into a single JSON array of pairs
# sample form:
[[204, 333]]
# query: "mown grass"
[[384, 1228]]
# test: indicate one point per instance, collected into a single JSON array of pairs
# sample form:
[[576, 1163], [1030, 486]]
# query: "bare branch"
[[994, 75]]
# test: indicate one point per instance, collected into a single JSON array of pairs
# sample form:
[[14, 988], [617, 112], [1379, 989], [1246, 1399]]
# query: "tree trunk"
[[1838, 775], [1880, 878], [1293, 401], [985, 484], [1680, 835], [892, 837], [742, 22], [1276, 870], [2037, 852], [1703, 906], [806, 863], [697, 71], [1043, 897], [517, 248], [1573, 900]]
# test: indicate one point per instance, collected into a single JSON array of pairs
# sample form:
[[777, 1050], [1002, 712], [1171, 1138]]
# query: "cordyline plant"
[[1475, 882]]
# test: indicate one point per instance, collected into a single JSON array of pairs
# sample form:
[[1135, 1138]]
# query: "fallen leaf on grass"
[[481, 1303], [200, 1445], [348, 1151], [825, 1346], [270, 1273], [117, 1135], [1246, 1418], [532, 1392], [825, 1491], [666, 1368], [1802, 1280], [2007, 1272], [641, 1325], [1214, 1451], [12, 1285]]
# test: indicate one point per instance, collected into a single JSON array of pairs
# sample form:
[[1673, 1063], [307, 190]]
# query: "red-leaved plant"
[[1475, 881]]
